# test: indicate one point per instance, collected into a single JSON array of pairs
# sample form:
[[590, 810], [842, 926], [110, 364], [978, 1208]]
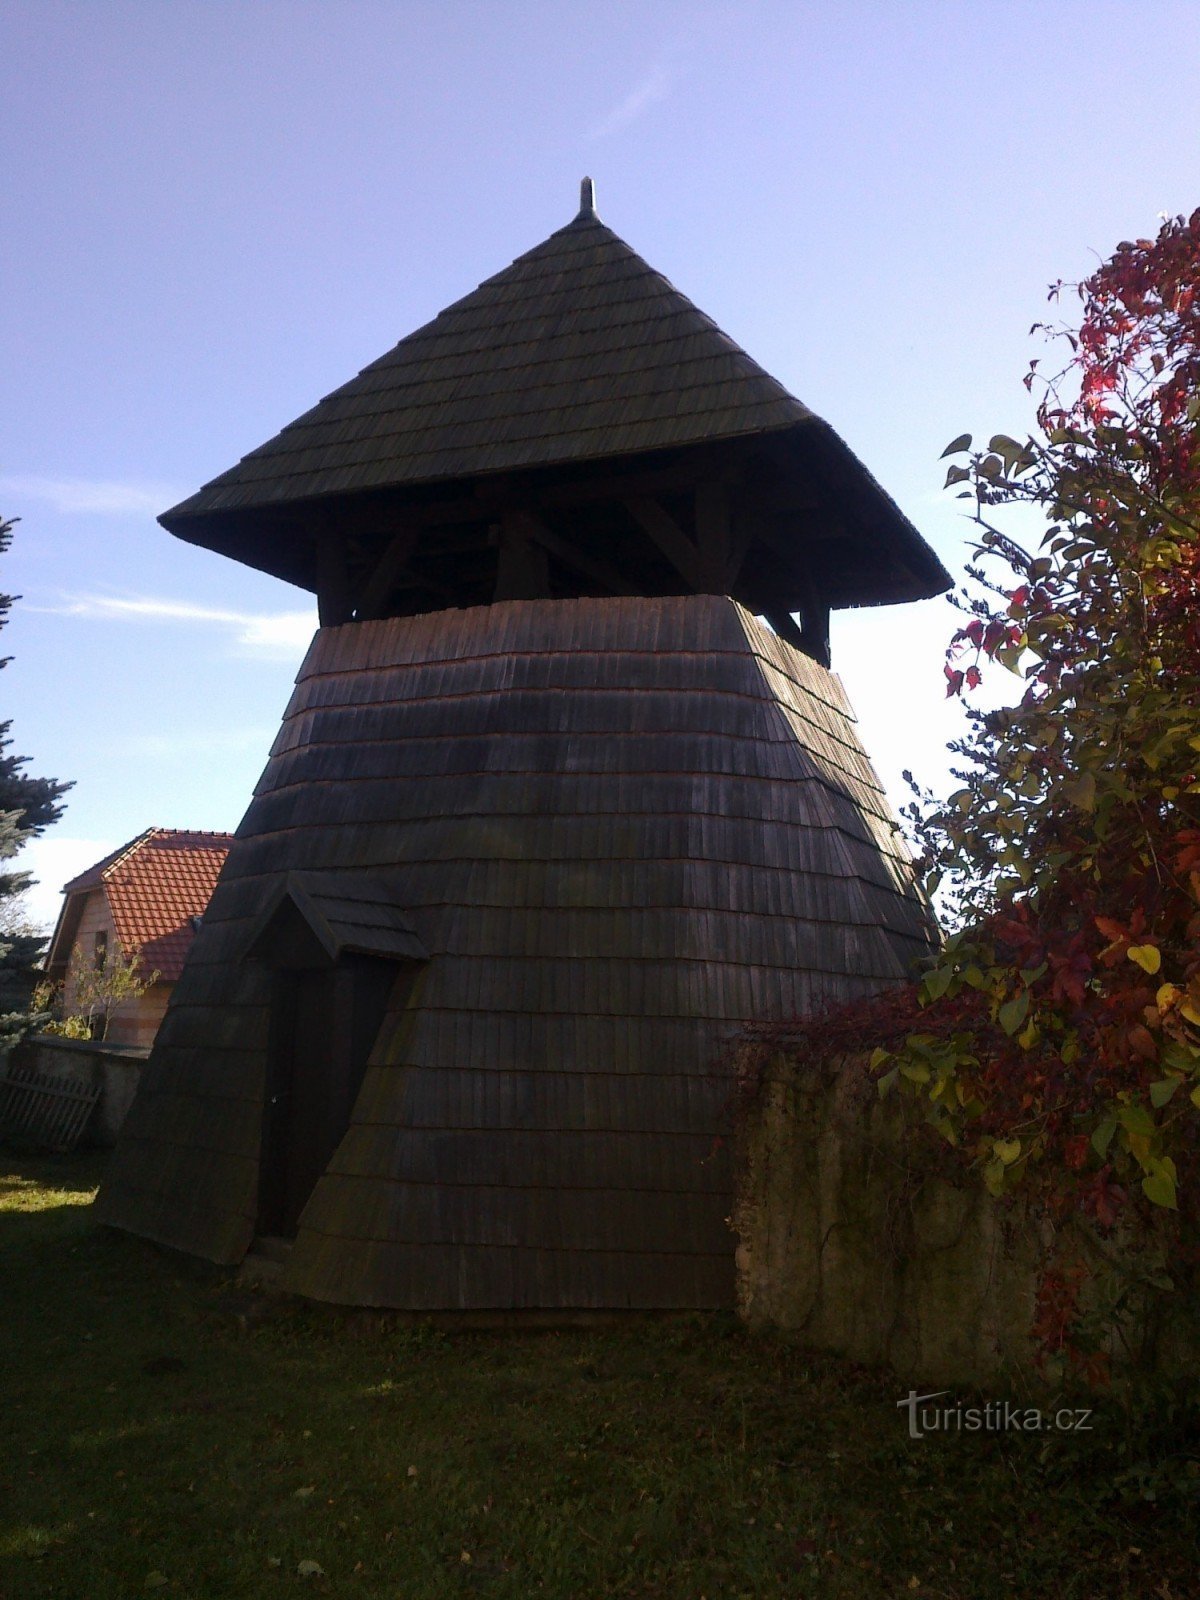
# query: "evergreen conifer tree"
[[27, 806]]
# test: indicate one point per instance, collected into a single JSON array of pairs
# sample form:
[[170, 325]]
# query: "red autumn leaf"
[[1141, 1042]]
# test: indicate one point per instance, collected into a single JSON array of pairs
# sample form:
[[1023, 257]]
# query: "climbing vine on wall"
[[1059, 1032]]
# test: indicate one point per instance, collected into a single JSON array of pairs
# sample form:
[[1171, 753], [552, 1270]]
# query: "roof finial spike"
[[587, 198]]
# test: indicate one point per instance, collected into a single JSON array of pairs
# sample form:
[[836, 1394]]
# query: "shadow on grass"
[[159, 1438]]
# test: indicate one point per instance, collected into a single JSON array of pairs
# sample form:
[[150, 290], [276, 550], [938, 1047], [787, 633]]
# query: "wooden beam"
[[811, 634], [387, 572], [335, 601], [713, 534], [670, 539], [741, 538], [522, 572], [800, 556], [786, 627], [601, 573], [814, 623]]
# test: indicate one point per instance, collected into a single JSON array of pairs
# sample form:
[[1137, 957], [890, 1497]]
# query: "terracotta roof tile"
[[155, 885]]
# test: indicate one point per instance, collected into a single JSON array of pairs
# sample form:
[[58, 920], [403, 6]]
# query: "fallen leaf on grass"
[[155, 1580], [310, 1569], [303, 1494]]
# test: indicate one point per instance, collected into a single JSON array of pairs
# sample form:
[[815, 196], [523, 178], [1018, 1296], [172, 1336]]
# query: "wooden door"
[[323, 1025]]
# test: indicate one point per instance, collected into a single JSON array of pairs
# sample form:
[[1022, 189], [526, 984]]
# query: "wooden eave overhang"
[[62, 941], [554, 385]]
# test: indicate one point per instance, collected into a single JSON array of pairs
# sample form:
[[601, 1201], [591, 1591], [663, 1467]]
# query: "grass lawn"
[[167, 1432]]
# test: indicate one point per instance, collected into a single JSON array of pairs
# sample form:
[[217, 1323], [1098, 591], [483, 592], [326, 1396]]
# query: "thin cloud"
[[652, 89], [280, 633], [94, 496]]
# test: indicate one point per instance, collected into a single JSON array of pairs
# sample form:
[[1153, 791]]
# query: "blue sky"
[[217, 212]]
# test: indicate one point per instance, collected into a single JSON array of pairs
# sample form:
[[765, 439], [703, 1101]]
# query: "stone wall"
[[848, 1240], [87, 1062]]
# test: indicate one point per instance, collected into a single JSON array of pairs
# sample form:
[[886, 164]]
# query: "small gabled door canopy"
[[313, 919]]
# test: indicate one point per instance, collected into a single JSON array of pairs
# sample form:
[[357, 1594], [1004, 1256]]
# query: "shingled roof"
[[577, 353], [155, 884]]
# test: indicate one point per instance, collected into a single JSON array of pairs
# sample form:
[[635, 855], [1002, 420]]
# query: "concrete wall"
[[116, 1068], [847, 1239]]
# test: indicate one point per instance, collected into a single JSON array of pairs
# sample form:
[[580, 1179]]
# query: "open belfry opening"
[[551, 815]]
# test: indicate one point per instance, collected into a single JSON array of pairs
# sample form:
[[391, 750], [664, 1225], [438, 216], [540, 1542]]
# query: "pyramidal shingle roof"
[[577, 354], [577, 351]]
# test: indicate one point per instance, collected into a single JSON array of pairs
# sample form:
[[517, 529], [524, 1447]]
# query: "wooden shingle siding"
[[621, 829]]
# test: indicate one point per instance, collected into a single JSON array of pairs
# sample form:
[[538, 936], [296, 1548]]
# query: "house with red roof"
[[145, 899]]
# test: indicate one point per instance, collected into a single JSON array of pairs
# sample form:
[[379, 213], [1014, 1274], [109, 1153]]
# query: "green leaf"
[[1081, 791], [1162, 1091], [1138, 1121], [1006, 447], [936, 983], [888, 1082], [878, 1057], [1159, 1186], [993, 1176], [1179, 1057], [956, 446], [1102, 1137], [1013, 1012]]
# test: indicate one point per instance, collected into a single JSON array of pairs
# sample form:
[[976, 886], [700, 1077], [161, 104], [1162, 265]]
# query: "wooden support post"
[[670, 539], [814, 624], [811, 635], [713, 536], [786, 627], [522, 571], [375, 593], [335, 601], [741, 538], [602, 573]]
